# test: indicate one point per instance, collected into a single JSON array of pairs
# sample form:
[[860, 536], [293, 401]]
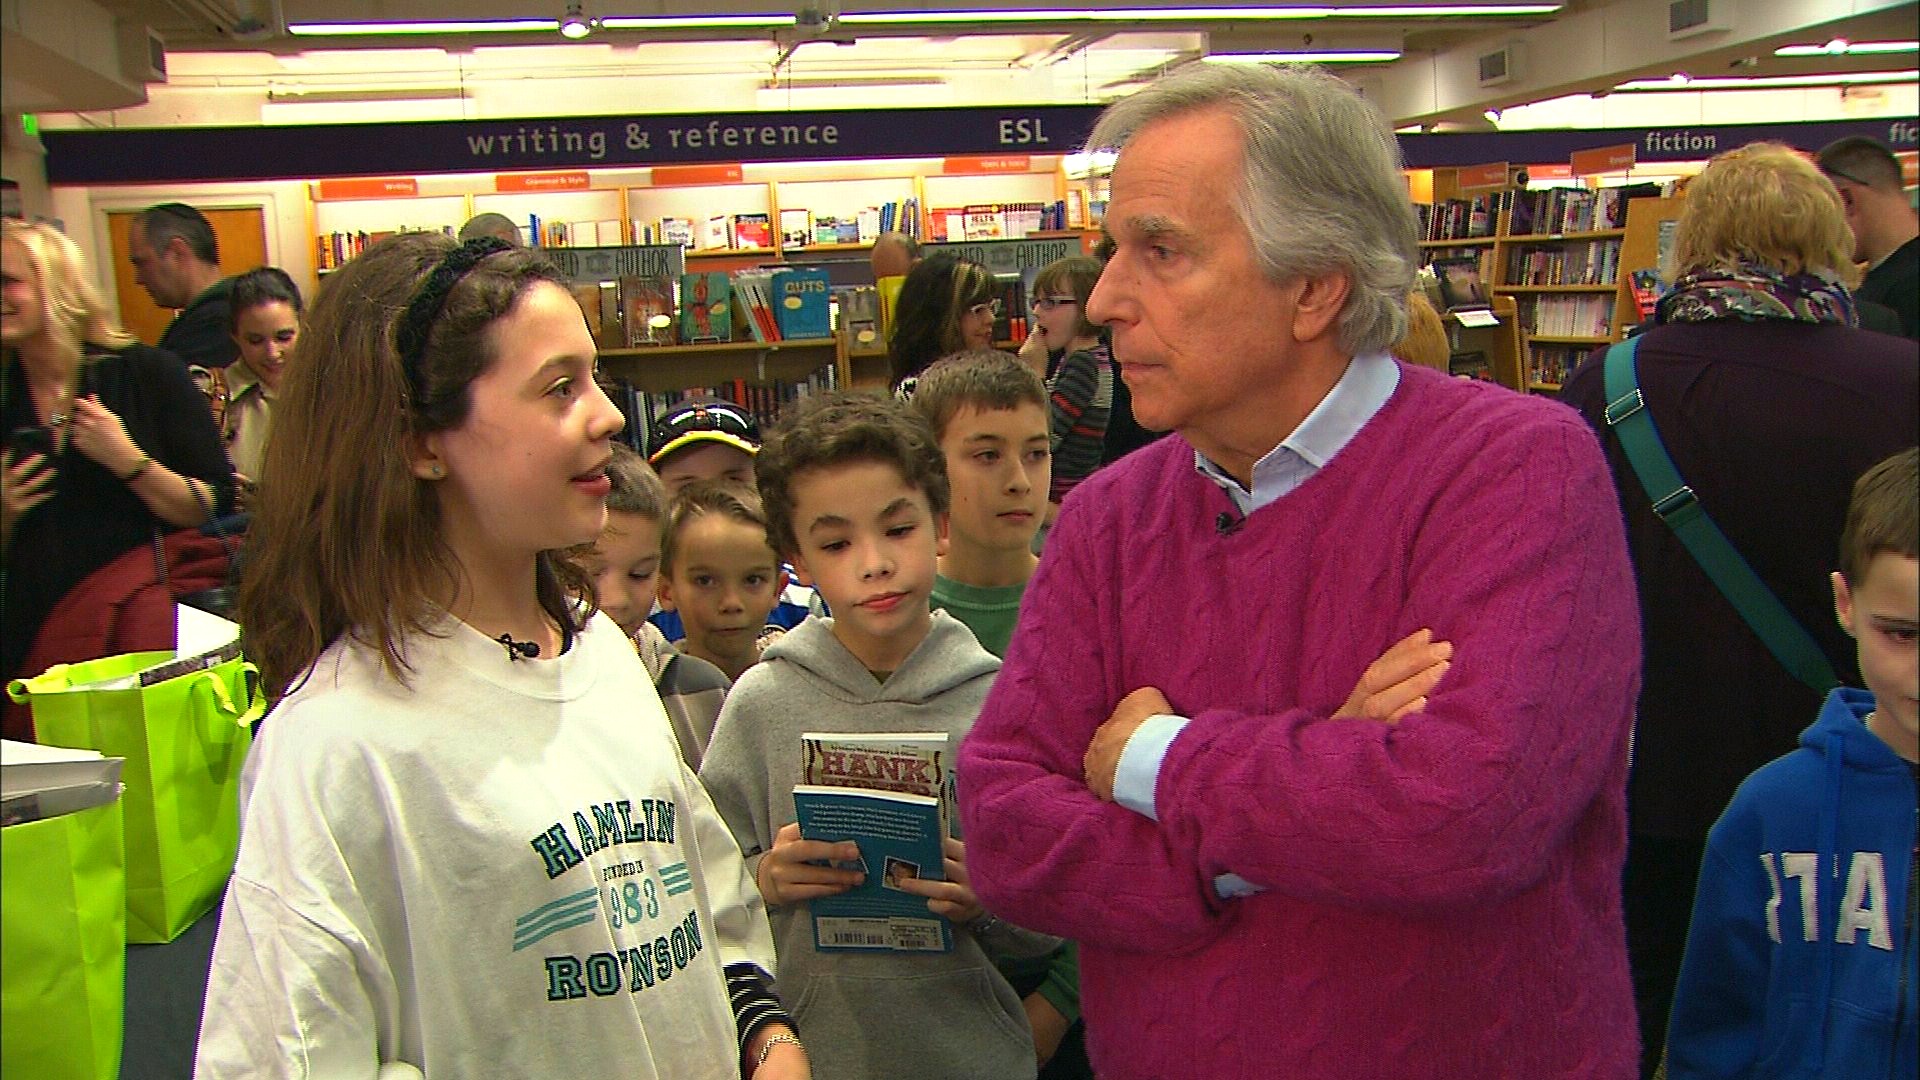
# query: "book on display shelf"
[[751, 290], [706, 307], [647, 309], [802, 299], [796, 228], [752, 231]]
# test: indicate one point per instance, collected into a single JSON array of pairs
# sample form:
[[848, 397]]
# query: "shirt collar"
[[241, 379], [1364, 387]]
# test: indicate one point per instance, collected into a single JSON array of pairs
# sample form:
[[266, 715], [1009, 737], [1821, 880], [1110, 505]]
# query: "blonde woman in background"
[[105, 438], [1425, 342]]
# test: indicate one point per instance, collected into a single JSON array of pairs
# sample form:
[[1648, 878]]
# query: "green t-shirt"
[[988, 612]]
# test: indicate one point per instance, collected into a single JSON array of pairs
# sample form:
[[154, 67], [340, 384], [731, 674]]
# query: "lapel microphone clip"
[[518, 649]]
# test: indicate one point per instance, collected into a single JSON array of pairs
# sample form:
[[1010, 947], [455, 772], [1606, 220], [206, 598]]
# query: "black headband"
[[411, 335]]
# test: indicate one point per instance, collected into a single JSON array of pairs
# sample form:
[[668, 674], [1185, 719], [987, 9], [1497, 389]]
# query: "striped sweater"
[[1080, 396]]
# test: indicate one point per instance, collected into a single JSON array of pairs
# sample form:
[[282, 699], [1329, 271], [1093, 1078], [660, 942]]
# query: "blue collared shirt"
[[1368, 382]]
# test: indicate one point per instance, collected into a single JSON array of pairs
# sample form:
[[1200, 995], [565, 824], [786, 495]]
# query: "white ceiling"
[[234, 51]]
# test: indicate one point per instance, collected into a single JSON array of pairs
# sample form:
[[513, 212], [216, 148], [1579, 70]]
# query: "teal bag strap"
[[1628, 416]]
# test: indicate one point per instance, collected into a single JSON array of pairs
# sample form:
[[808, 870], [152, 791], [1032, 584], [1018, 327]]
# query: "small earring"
[[438, 472]]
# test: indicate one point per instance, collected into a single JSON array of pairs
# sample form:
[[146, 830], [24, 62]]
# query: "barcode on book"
[[903, 935]]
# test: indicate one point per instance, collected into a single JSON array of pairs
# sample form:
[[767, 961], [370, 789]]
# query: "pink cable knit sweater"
[[1443, 896]]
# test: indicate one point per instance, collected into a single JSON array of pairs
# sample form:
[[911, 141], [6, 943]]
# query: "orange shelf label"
[[1473, 177], [370, 187], [684, 175], [980, 166], [1550, 172], [571, 180], [1605, 159]]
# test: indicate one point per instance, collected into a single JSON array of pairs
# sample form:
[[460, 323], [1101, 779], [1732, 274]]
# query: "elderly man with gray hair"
[[1314, 728]]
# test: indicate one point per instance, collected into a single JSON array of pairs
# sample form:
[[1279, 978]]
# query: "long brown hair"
[[345, 539], [926, 323]]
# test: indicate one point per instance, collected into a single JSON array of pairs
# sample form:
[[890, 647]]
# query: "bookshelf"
[[667, 368], [1560, 256], [605, 207], [1648, 221]]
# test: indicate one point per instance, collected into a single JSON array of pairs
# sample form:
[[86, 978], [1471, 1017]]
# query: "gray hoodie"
[[869, 1016]]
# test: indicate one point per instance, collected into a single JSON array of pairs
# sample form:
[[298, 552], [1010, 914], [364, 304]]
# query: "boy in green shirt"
[[989, 412]]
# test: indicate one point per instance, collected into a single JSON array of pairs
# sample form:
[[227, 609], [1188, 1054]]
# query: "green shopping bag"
[[63, 918], [184, 740]]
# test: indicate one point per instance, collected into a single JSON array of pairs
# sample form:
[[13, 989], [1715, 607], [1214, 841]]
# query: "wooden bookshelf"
[[666, 368], [1640, 250], [1568, 285]]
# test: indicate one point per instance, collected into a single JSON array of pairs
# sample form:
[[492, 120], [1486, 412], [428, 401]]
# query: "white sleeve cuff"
[[1139, 769]]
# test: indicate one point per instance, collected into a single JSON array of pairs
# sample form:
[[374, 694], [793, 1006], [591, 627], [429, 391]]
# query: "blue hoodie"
[[1760, 997]]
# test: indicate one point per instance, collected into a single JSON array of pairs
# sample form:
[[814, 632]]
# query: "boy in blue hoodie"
[[1801, 959]]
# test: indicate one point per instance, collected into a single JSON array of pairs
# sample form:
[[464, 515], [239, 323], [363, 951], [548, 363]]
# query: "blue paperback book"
[[899, 838], [801, 303]]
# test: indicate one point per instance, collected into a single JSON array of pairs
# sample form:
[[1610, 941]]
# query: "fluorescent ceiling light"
[[445, 26], [1842, 47], [1192, 14], [1770, 82], [694, 22], [1350, 56]]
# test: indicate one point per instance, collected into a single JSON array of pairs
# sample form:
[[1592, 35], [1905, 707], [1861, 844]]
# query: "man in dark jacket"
[[176, 258], [1886, 232]]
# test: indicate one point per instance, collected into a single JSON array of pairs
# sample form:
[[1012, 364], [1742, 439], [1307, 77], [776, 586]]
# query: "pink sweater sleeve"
[[1521, 562], [1043, 852]]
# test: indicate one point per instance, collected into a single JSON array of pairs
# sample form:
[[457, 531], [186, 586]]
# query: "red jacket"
[[122, 607]]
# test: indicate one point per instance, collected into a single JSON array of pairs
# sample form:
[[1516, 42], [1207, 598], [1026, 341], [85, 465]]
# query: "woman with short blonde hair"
[[1764, 205]]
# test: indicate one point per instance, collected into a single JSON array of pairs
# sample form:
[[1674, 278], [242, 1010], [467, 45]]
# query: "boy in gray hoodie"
[[855, 491]]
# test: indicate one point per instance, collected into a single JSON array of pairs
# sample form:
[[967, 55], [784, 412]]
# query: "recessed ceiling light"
[[1843, 47], [1350, 56], [1194, 14], [443, 26], [696, 22], [1771, 82]]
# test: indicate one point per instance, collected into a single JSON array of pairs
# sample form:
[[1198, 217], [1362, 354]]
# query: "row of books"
[[995, 221], [1568, 210], [332, 250], [789, 303], [1596, 262], [798, 228], [1462, 219], [1567, 316], [764, 400], [1549, 365]]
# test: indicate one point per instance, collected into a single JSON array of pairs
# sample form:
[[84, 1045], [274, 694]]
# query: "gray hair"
[[1321, 189], [491, 224]]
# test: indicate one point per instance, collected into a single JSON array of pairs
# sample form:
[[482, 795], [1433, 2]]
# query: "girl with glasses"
[[1073, 356]]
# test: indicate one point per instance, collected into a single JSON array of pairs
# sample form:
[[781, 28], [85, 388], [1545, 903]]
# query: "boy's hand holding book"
[[795, 870], [952, 898]]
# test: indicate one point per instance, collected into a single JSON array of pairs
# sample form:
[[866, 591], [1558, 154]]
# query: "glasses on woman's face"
[[991, 309], [1047, 303]]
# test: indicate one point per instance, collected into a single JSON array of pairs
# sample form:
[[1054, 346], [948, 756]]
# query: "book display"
[[755, 328], [1559, 256]]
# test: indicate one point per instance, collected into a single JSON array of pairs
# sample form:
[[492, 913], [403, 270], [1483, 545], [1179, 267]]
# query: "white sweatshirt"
[[502, 871]]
